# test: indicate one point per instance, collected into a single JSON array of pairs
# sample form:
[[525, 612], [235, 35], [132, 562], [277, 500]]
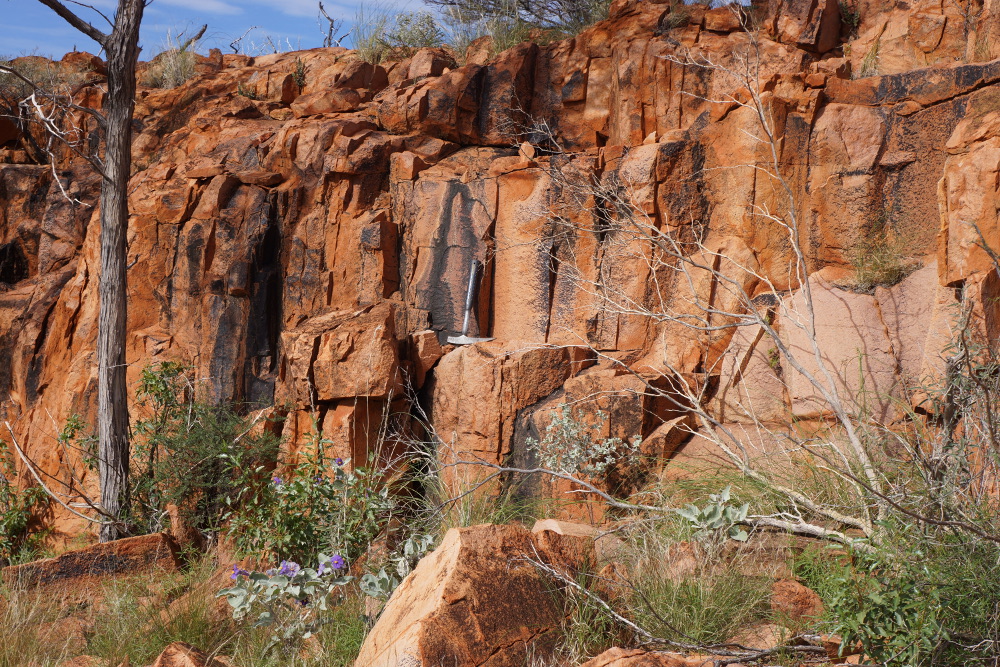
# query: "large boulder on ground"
[[79, 569], [475, 601]]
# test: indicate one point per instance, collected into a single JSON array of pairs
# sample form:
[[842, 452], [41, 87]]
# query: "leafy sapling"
[[401, 563], [718, 520], [568, 446]]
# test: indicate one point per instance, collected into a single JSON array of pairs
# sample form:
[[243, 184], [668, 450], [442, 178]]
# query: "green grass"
[[706, 609], [126, 621], [588, 630], [130, 622], [29, 630], [336, 645]]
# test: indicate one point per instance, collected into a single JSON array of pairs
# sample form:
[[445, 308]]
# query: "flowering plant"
[[289, 598], [320, 503]]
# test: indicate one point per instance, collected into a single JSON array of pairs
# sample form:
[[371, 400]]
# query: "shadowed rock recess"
[[304, 241]]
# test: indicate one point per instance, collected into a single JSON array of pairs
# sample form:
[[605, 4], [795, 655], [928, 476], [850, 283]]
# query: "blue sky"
[[27, 26]]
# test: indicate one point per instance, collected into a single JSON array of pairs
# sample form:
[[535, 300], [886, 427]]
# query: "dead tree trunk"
[[121, 49]]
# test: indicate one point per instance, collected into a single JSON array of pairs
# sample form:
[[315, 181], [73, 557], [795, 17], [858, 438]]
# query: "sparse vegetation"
[[505, 28], [175, 64], [55, 81], [869, 64], [678, 15], [300, 73], [880, 258], [371, 23], [246, 91], [17, 506], [850, 17], [566, 17], [379, 34]]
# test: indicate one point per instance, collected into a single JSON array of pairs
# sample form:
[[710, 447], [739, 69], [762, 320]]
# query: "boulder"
[[330, 101], [791, 601], [77, 570], [429, 62], [499, 379], [342, 355], [180, 654], [474, 601], [857, 353]]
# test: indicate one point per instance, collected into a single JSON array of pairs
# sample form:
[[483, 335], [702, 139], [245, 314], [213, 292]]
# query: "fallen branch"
[[110, 520]]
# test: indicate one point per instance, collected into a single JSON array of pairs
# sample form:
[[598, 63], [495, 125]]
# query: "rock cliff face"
[[305, 241]]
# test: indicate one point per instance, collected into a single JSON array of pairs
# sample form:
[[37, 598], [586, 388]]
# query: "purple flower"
[[339, 461], [335, 563], [271, 572], [276, 481], [237, 572], [288, 568]]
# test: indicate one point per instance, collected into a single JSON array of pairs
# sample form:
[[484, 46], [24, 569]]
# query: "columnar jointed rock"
[[298, 217]]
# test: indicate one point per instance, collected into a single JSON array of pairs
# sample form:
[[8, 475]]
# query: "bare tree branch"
[[78, 23]]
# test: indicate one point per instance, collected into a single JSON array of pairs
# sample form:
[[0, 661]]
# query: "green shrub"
[[379, 34], [290, 600], [850, 17], [17, 506], [246, 91], [339, 639], [300, 73], [561, 17], [198, 457], [414, 30], [928, 599], [319, 504], [569, 446]]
